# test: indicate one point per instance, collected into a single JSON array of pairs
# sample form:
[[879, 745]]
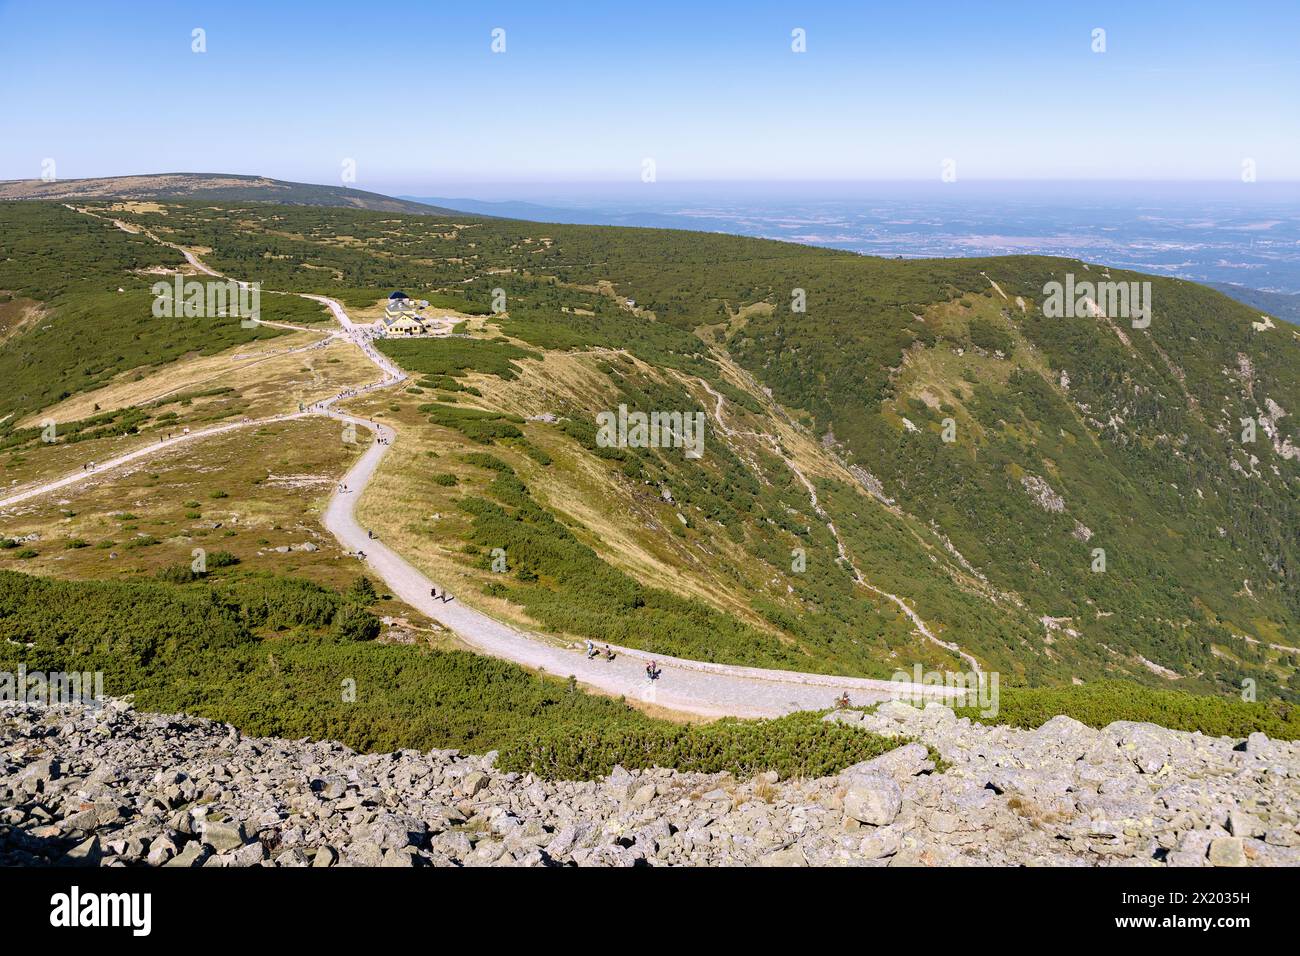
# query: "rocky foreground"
[[114, 787]]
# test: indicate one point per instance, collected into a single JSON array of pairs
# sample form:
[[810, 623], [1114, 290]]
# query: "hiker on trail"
[[433, 593], [361, 555], [591, 650], [652, 671], [369, 533], [609, 655]]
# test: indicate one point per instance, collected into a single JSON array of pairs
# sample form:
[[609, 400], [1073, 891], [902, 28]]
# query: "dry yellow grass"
[[139, 207], [276, 479], [18, 314], [623, 522], [271, 367]]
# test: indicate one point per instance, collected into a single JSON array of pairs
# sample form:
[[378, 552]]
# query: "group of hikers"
[[652, 669]]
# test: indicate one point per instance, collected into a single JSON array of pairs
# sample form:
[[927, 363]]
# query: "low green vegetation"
[[800, 745], [1098, 704], [569, 588], [454, 357], [282, 657], [456, 303], [95, 307], [474, 423]]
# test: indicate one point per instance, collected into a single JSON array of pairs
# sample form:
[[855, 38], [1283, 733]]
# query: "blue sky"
[[585, 92]]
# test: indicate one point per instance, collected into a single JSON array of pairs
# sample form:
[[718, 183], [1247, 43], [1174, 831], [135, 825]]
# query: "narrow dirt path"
[[919, 624]]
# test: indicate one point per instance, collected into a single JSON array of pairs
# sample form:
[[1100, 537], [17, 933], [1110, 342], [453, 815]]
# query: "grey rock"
[[193, 855], [1258, 743], [792, 855], [161, 849], [474, 783], [1227, 851], [1243, 824], [326, 856], [251, 854], [294, 857], [87, 852], [899, 763], [1064, 794], [880, 843], [223, 837], [872, 800]]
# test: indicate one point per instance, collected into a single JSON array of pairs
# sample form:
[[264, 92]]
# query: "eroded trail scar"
[[917, 622]]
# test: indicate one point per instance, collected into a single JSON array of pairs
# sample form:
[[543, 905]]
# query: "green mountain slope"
[[826, 436]]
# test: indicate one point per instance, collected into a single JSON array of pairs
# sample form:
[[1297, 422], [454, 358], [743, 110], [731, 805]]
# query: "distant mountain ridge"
[[1284, 305], [217, 187], [538, 212]]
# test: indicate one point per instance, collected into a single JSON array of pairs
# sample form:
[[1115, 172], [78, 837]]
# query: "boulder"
[[792, 855], [223, 837], [899, 763], [85, 853], [873, 800], [1227, 851], [474, 783], [1243, 824], [193, 855], [880, 843]]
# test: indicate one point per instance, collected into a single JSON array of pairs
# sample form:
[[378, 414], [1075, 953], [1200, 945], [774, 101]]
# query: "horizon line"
[[637, 183]]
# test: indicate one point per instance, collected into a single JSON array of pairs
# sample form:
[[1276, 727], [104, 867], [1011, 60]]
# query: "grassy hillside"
[[1069, 435], [77, 290], [210, 187]]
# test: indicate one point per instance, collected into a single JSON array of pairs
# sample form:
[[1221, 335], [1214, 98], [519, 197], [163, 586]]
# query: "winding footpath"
[[685, 686]]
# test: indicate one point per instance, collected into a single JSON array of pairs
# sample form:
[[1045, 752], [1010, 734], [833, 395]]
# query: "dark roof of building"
[[399, 295]]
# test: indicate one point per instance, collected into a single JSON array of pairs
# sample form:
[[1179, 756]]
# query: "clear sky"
[[586, 91]]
